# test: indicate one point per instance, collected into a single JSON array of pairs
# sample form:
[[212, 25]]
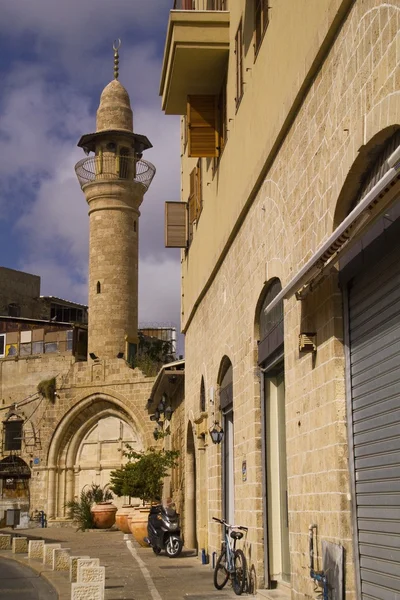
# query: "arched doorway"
[[370, 280], [86, 446], [190, 497], [225, 380], [275, 493], [101, 451], [14, 491]]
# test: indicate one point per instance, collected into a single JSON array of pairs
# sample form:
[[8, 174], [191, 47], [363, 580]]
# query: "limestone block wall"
[[353, 98], [86, 393]]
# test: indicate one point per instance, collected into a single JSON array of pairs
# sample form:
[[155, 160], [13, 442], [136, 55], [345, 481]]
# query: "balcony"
[[105, 168], [196, 52], [200, 4]]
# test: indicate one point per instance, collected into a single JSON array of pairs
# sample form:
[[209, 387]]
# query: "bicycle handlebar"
[[223, 522]]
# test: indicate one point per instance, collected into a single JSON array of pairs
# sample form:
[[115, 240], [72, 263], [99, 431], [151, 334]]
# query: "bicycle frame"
[[229, 543]]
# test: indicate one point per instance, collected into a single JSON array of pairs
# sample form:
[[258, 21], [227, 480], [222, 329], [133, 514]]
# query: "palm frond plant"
[[80, 510]]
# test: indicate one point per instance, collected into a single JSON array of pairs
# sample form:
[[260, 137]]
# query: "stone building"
[[288, 224], [93, 401]]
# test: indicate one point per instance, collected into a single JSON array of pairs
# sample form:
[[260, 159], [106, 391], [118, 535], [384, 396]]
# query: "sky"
[[56, 56]]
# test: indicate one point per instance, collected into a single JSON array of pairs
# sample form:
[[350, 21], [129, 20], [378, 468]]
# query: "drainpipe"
[[319, 577]]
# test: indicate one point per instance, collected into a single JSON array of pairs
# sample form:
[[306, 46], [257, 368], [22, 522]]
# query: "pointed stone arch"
[[63, 468], [190, 496]]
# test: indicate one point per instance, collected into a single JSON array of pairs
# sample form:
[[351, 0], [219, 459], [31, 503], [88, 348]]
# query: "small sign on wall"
[[244, 471]]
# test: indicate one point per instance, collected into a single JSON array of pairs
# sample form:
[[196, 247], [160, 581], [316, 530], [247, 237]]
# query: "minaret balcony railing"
[[106, 168], [200, 5]]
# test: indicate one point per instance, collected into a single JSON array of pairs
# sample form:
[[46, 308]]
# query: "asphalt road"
[[18, 582]]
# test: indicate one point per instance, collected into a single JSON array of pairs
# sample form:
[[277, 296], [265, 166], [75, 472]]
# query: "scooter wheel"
[[156, 550], [173, 547]]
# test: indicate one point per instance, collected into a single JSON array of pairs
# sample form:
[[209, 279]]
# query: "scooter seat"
[[155, 509], [236, 535]]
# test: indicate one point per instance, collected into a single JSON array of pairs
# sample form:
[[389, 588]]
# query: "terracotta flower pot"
[[121, 518], [104, 515], [138, 524]]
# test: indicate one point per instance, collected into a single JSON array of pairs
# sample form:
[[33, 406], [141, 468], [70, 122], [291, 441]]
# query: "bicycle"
[[231, 562]]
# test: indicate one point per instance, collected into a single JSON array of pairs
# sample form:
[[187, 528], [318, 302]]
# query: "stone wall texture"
[[36, 549], [354, 96]]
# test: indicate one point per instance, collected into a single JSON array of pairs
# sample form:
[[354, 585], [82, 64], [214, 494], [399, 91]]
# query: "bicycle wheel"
[[240, 573], [221, 574]]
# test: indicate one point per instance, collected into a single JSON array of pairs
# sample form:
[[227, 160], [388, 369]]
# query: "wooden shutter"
[[175, 225], [202, 117]]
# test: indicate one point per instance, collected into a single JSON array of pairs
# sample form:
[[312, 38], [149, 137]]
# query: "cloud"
[[41, 118]]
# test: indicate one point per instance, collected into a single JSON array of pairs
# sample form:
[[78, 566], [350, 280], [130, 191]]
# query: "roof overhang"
[[168, 378], [89, 140]]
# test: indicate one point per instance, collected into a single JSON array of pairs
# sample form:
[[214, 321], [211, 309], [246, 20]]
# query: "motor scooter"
[[164, 530]]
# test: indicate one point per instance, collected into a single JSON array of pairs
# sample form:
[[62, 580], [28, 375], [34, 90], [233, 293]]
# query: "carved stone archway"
[[87, 444]]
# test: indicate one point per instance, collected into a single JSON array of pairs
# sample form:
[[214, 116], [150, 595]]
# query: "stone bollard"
[[5, 541], [61, 558], [20, 545], [88, 591], [73, 567], [36, 549], [85, 562], [92, 575], [48, 553]]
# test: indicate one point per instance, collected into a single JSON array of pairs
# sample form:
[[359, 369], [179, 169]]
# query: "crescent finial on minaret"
[[116, 47]]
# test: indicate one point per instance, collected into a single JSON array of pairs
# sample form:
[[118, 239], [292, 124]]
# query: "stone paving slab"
[[128, 576]]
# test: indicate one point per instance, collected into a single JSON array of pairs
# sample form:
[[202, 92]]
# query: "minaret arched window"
[[98, 287], [124, 163]]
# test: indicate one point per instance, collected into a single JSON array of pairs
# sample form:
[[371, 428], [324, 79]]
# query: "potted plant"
[[83, 511], [142, 477]]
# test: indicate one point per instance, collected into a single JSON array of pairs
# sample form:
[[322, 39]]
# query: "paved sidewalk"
[[135, 573]]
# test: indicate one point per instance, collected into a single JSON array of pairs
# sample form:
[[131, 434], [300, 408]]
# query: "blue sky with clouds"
[[55, 58]]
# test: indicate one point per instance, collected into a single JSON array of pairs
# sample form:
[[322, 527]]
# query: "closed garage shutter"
[[374, 320]]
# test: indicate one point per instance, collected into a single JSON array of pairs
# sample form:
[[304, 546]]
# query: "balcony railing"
[[201, 5], [101, 168]]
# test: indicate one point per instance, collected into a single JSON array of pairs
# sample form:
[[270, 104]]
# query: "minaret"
[[114, 181]]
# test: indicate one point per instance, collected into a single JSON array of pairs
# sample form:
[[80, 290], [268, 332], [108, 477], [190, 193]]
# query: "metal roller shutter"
[[374, 321]]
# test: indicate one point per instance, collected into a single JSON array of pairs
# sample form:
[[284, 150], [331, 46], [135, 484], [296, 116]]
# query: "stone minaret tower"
[[114, 181]]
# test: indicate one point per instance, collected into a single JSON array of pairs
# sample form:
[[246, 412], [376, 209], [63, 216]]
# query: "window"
[[195, 198], [202, 396], [98, 287], [13, 435], [37, 347], [202, 118], [222, 123], [2, 344], [175, 227], [51, 347], [239, 64], [14, 310], [70, 339], [261, 20]]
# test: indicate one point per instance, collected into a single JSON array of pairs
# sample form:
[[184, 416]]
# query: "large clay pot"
[[121, 518], [138, 524], [104, 515]]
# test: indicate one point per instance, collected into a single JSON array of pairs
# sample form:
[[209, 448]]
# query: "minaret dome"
[[114, 112]]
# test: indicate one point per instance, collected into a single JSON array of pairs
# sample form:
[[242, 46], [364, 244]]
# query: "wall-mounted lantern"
[[168, 413], [216, 433]]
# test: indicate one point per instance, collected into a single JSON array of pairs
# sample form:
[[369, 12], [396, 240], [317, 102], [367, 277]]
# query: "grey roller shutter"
[[374, 320]]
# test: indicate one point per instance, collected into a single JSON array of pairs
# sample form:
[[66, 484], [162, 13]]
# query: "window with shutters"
[[222, 123], [239, 64], [195, 198], [261, 20], [176, 219], [202, 123]]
